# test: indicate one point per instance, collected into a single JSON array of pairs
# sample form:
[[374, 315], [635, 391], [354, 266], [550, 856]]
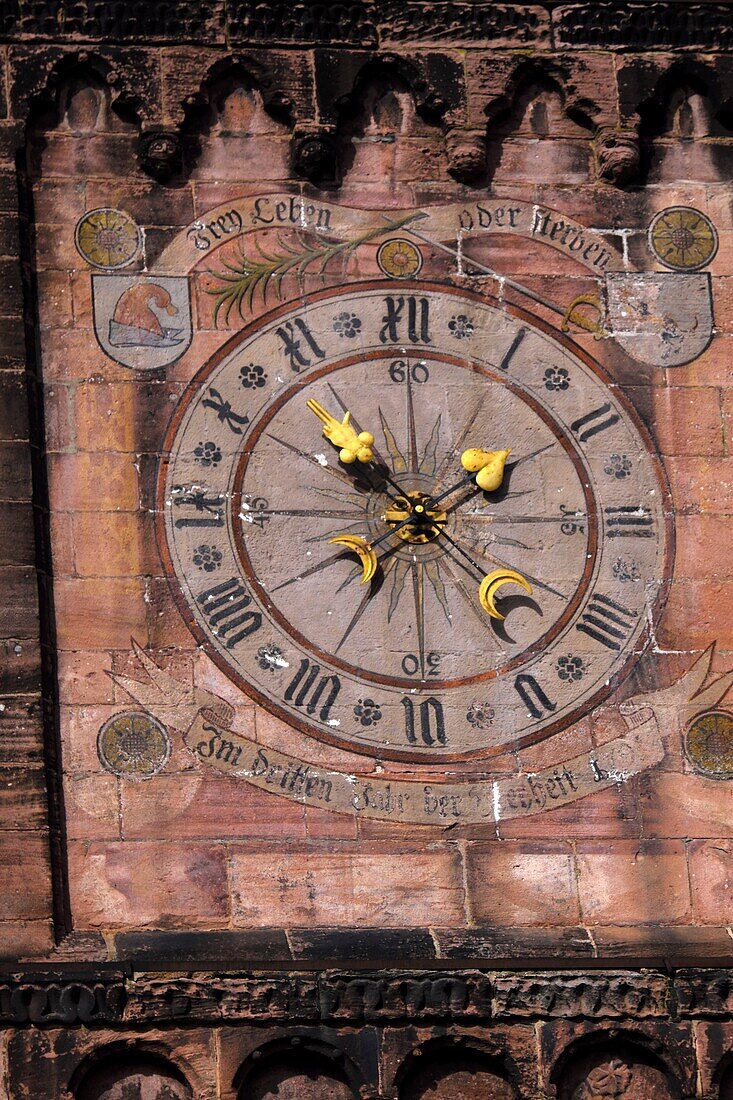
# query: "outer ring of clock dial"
[[186, 587]]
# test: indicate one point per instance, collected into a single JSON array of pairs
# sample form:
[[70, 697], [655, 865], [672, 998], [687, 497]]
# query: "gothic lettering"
[[533, 696], [208, 508], [606, 621], [405, 320], [299, 780], [431, 721], [309, 689], [225, 413], [293, 343], [594, 422], [225, 608]]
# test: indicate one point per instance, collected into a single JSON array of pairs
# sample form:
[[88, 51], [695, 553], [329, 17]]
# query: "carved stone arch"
[[562, 75], [540, 127], [133, 88], [646, 89], [281, 83], [388, 98], [620, 1063], [687, 73], [128, 82], [435, 82], [262, 72], [457, 1067], [296, 1061], [686, 102], [113, 1071]]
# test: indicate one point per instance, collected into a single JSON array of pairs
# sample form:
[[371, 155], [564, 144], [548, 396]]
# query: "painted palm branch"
[[241, 279]]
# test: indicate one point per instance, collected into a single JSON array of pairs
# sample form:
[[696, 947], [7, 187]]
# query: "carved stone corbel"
[[314, 153], [466, 152], [159, 150], [618, 155]]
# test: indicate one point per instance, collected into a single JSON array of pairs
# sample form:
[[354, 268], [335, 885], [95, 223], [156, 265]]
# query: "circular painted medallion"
[[682, 238], [709, 744], [108, 238], [133, 745], [399, 259]]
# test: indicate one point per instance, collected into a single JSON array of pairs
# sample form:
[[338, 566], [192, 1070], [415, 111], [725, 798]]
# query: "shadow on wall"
[[680, 133]]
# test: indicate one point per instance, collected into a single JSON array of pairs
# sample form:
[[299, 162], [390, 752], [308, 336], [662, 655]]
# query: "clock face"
[[412, 664]]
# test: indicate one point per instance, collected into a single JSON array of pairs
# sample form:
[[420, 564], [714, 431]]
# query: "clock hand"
[[365, 550], [352, 445], [467, 480], [490, 582], [486, 467], [380, 466]]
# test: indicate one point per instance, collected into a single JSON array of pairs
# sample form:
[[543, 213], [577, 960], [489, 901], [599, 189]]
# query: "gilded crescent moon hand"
[[492, 582], [365, 553]]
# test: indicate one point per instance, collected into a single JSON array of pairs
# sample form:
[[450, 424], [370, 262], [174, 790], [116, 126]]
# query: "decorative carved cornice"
[[642, 26], [373, 996], [705, 993], [589, 995], [29, 1001]]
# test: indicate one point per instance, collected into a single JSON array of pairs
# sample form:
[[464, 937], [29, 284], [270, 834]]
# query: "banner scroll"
[[205, 720]]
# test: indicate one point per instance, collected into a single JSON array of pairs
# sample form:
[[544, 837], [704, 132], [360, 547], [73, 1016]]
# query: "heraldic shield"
[[660, 318], [142, 321]]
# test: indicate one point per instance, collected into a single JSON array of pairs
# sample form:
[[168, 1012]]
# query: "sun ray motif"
[[427, 462], [475, 491], [488, 517], [535, 581], [336, 494], [449, 564], [454, 451], [401, 570], [411, 427], [493, 538], [310, 458], [361, 522], [503, 541], [418, 594], [399, 463], [432, 572], [321, 565], [313, 513], [351, 577], [361, 608]]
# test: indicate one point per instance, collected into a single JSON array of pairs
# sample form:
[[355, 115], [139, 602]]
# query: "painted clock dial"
[[411, 665]]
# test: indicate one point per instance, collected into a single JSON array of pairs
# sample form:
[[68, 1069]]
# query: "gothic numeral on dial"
[[224, 607], [629, 521], [430, 721], [405, 320], [585, 427], [299, 344], [308, 689], [513, 349], [533, 696], [208, 508], [606, 621]]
